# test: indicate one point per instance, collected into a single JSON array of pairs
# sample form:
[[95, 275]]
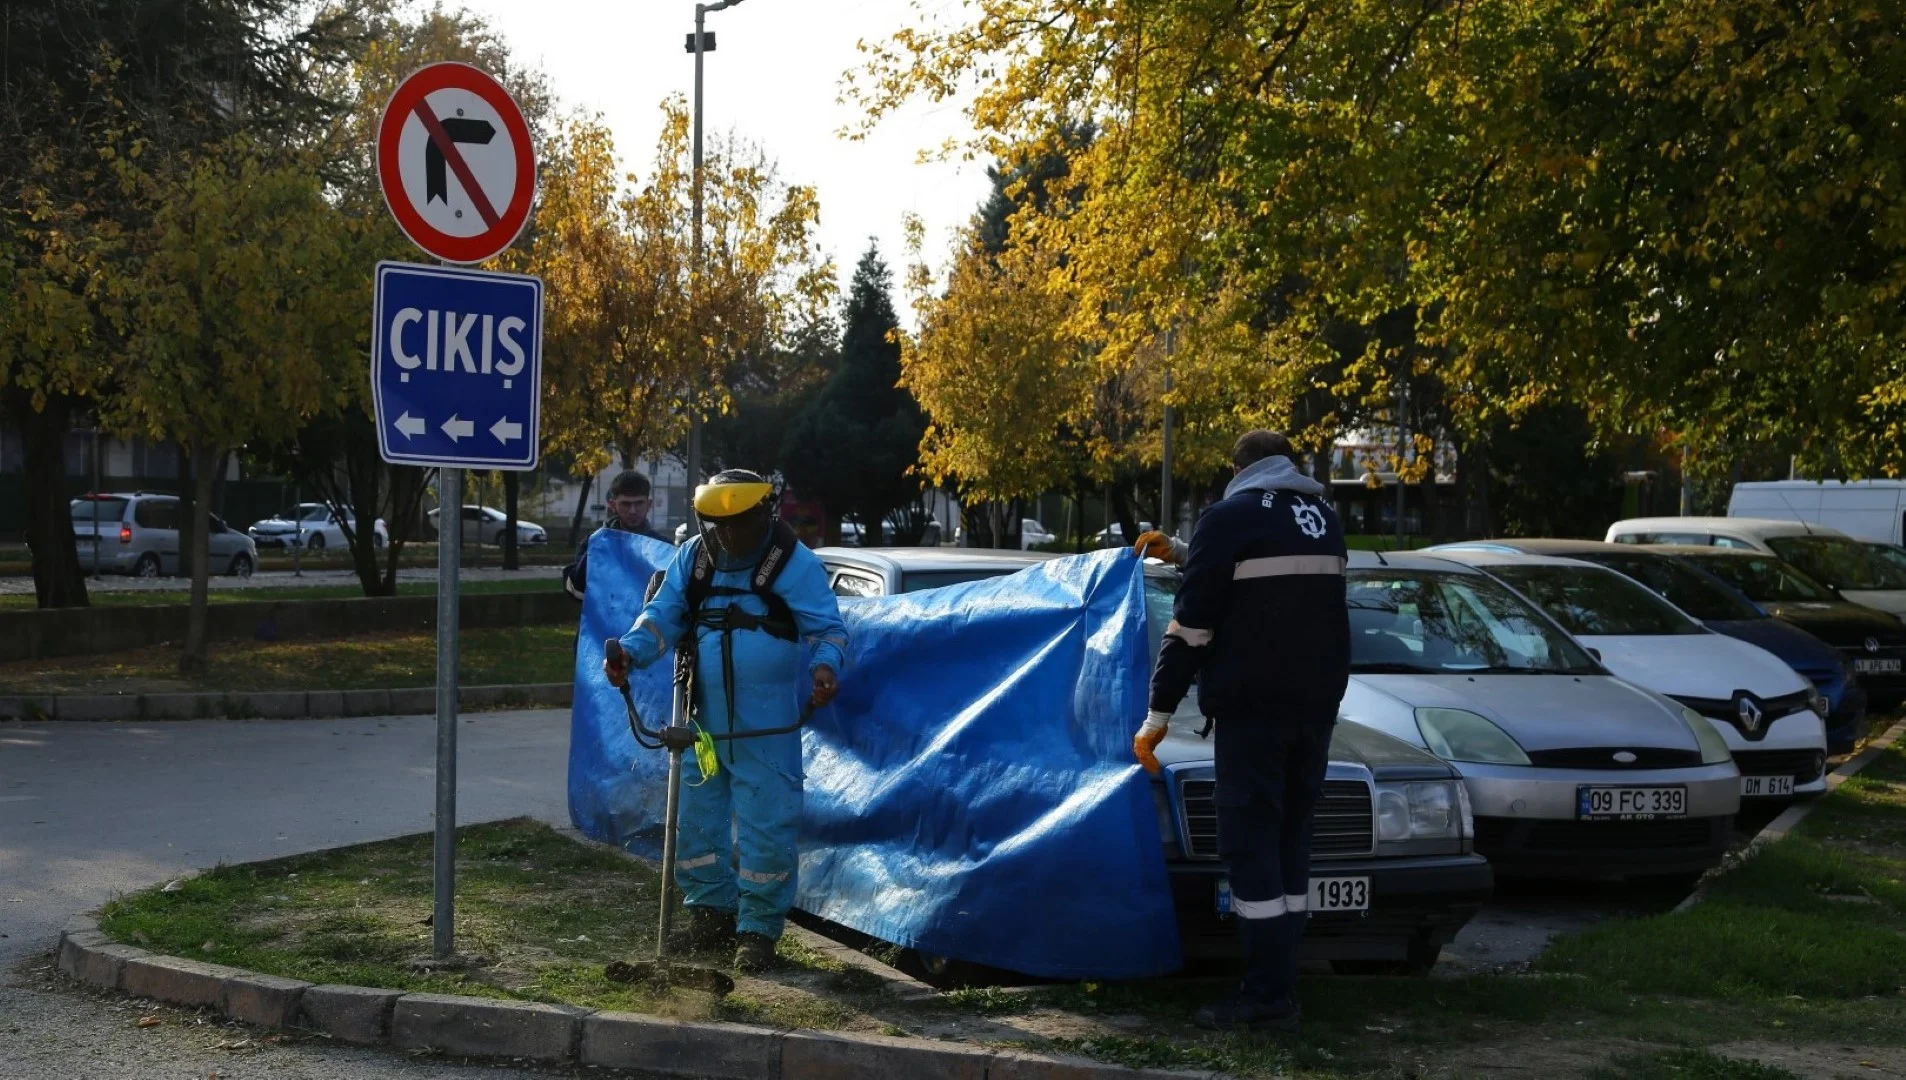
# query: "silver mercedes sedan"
[[1571, 771]]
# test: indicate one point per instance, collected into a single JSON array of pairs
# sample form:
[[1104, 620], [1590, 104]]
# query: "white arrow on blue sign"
[[457, 366]]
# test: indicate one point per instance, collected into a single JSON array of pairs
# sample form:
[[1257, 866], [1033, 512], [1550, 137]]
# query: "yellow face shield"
[[728, 500]]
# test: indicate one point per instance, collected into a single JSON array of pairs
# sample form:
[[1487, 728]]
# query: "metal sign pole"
[[449, 550], [480, 417]]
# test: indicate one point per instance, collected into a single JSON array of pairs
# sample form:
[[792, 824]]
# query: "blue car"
[[1725, 610]]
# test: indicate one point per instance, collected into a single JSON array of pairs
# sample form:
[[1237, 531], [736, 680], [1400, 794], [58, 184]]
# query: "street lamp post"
[[700, 42], [1167, 505]]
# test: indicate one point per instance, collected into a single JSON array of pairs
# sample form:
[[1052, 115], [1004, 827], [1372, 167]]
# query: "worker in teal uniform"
[[768, 640]]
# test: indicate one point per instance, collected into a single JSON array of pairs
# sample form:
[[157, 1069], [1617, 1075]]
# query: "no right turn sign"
[[455, 163]]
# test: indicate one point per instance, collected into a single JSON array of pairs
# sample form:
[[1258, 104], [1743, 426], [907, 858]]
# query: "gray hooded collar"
[[1273, 474]]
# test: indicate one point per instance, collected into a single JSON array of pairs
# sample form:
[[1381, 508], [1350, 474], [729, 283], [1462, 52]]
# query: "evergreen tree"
[[854, 447]]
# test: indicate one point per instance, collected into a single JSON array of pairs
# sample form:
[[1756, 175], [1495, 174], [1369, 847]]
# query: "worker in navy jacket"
[[1260, 623]]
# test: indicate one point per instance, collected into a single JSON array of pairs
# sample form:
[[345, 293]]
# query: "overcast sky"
[[773, 79]]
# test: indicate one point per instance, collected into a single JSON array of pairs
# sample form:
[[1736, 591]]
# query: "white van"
[[1857, 569], [1864, 509]]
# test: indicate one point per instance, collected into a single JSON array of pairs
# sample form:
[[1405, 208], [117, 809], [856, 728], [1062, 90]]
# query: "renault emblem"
[[1872, 644], [1626, 757], [1750, 712]]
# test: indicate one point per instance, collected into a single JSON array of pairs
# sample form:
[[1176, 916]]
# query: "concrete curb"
[[458, 1026], [1790, 818], [275, 704]]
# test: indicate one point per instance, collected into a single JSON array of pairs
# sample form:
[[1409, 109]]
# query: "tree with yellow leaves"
[[1679, 214], [633, 342], [995, 375], [227, 310]]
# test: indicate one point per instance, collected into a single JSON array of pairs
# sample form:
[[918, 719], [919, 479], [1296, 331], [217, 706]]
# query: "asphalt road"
[[91, 810]]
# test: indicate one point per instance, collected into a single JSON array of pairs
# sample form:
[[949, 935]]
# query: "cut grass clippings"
[[1797, 948], [382, 660]]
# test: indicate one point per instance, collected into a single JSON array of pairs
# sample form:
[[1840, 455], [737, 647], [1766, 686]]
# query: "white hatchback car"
[[1772, 718], [1853, 568]]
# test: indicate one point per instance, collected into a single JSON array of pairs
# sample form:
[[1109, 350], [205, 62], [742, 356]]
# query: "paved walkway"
[[91, 810]]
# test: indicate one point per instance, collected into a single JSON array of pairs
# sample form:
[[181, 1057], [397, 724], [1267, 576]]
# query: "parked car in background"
[[488, 525], [1863, 509], [313, 526], [1773, 720], [138, 534], [1032, 534], [1721, 608], [1872, 642], [1571, 771], [1841, 563], [1113, 535], [1394, 870]]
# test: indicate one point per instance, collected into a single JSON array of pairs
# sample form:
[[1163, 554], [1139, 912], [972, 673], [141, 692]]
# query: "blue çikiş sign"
[[456, 366]]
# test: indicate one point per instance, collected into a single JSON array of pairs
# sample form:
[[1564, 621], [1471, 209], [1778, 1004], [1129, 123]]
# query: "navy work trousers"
[[1270, 773]]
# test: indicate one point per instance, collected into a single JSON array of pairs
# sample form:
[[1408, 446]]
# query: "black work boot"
[[708, 930], [754, 952], [1240, 1010]]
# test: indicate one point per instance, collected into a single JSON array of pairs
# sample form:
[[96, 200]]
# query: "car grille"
[[1345, 823], [1603, 757], [1509, 834], [1803, 765], [1772, 709], [1852, 639]]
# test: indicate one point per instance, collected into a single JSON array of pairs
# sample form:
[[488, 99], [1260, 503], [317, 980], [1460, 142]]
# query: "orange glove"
[[1156, 545], [1150, 734]]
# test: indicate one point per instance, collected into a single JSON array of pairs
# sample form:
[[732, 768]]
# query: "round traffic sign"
[[455, 162]]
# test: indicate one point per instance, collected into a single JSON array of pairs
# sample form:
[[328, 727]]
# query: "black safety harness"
[[729, 618]]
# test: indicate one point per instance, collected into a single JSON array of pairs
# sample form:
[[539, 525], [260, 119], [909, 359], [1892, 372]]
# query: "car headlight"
[[1714, 749], [1420, 811], [1461, 735]]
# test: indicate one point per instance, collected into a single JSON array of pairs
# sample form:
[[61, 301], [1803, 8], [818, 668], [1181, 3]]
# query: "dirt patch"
[[1516, 1056], [1825, 1060]]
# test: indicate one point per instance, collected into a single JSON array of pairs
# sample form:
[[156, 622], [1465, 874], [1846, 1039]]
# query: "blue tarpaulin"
[[972, 791]]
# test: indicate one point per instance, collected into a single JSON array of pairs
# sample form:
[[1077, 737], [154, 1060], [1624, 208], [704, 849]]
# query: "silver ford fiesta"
[[1571, 771]]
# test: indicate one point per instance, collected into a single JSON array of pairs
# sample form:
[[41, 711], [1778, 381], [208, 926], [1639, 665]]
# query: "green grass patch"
[[493, 656], [1819, 915], [1687, 1065], [990, 1000], [540, 914]]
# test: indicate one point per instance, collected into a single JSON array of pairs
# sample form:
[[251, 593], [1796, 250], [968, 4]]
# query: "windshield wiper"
[[1505, 669], [1392, 669]]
